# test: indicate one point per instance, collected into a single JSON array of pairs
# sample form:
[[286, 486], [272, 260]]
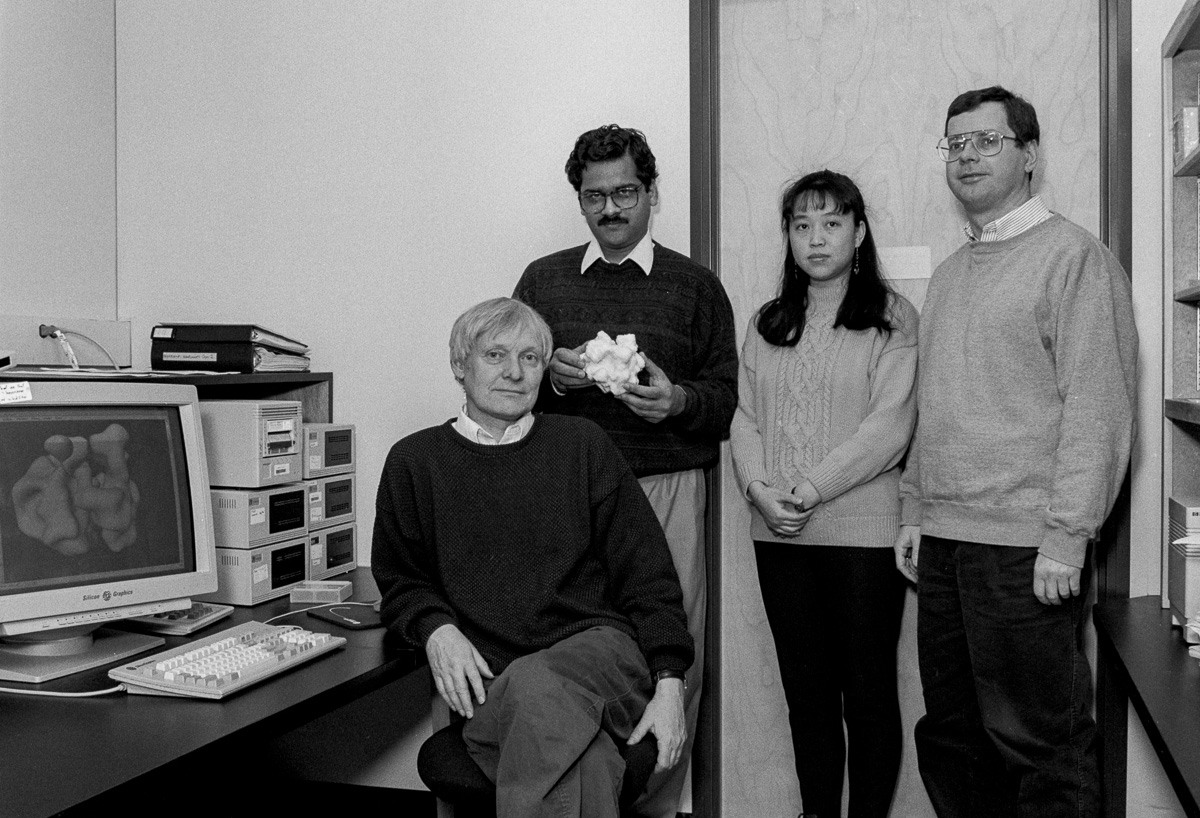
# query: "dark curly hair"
[[610, 142], [781, 321]]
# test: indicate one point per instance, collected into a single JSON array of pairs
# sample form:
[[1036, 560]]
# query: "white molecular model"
[[613, 365]]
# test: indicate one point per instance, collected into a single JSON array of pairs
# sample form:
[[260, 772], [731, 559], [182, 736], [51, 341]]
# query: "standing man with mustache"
[[669, 425], [1025, 410]]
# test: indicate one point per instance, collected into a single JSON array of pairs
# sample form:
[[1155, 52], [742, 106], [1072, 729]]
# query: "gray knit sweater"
[[838, 409], [1027, 393]]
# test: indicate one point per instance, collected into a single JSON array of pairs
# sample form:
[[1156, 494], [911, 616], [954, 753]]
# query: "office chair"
[[446, 767]]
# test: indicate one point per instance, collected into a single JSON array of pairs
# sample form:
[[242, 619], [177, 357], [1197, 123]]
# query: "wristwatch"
[[671, 674]]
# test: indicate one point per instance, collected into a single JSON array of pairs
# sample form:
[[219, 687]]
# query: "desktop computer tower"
[[330, 501], [248, 518], [332, 551], [1183, 562], [252, 443], [248, 577], [328, 449]]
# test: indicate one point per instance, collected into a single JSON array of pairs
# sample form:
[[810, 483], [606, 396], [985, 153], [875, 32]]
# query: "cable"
[[315, 607], [51, 331], [51, 694], [95, 343]]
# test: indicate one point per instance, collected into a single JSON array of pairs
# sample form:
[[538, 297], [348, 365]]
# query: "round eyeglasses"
[[987, 143], [593, 201]]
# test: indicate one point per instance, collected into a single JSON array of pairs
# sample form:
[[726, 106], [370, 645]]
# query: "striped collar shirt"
[[642, 255], [475, 433], [1013, 223]]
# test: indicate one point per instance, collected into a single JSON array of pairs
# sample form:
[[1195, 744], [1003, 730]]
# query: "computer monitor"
[[105, 514]]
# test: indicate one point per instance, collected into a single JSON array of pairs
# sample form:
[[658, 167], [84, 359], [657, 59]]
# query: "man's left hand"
[[657, 401], [664, 718], [1054, 581]]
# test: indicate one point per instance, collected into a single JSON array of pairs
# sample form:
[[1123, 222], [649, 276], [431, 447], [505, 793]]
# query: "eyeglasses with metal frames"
[[593, 201], [986, 143]]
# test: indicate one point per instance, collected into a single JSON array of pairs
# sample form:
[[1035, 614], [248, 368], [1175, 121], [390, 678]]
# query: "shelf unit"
[[1181, 273], [314, 390]]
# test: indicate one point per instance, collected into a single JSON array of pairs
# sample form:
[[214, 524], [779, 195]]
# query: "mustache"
[[613, 220]]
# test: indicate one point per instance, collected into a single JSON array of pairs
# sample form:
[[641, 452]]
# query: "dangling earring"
[[854, 272]]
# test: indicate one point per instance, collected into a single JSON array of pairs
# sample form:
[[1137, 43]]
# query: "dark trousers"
[[547, 734], [835, 618], [1007, 729]]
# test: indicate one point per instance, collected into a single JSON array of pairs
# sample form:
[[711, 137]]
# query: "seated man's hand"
[[657, 401], [664, 718], [458, 669], [566, 369]]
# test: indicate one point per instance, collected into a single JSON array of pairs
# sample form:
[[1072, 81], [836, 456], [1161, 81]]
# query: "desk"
[[56, 754], [1151, 666]]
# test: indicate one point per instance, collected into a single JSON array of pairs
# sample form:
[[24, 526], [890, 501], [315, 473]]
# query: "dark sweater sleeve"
[[402, 556], [642, 581], [712, 388]]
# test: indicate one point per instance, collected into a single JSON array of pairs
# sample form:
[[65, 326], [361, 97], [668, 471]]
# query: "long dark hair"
[[781, 321]]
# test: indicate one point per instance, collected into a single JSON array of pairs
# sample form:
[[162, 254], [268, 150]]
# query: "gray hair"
[[493, 317]]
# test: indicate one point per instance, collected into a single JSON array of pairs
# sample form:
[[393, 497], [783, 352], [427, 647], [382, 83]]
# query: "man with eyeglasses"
[[669, 425], [1025, 421]]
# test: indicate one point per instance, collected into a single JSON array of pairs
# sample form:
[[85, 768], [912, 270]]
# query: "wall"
[[806, 86], [357, 174], [57, 239]]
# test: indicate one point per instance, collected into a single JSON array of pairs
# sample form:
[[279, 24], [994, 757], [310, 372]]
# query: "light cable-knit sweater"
[[838, 409]]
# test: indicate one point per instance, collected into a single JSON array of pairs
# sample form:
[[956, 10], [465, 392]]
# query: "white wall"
[[1151, 20], [57, 238], [355, 174]]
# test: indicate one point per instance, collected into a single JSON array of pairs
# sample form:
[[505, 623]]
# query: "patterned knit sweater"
[[1028, 392], [683, 322], [523, 544], [838, 409]]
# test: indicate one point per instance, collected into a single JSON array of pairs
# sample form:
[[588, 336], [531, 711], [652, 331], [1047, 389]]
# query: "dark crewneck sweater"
[[683, 322], [524, 544]]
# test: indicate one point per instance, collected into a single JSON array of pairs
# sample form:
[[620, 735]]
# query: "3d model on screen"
[[613, 365], [79, 494]]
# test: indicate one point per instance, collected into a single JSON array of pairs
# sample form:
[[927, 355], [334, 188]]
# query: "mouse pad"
[[354, 617]]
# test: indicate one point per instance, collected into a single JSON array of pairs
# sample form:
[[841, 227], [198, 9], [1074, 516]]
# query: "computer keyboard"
[[222, 663]]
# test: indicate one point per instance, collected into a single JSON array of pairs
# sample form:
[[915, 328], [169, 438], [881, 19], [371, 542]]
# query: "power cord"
[[51, 694], [60, 335], [325, 605], [51, 331]]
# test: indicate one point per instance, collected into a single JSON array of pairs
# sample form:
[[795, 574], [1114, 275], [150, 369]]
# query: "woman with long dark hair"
[[826, 408]]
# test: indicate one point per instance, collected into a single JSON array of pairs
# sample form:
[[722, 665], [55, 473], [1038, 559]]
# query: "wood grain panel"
[[862, 88]]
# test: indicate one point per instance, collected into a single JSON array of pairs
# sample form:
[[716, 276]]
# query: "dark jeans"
[[1007, 729], [835, 618]]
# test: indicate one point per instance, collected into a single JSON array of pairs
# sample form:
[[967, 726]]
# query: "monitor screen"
[[104, 513]]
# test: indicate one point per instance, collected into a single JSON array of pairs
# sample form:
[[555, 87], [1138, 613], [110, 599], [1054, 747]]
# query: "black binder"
[[223, 357], [226, 334]]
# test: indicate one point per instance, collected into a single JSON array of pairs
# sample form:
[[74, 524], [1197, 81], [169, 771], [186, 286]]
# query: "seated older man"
[[521, 552]]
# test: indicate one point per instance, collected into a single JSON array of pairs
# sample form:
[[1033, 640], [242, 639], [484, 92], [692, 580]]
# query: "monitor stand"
[[52, 655]]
